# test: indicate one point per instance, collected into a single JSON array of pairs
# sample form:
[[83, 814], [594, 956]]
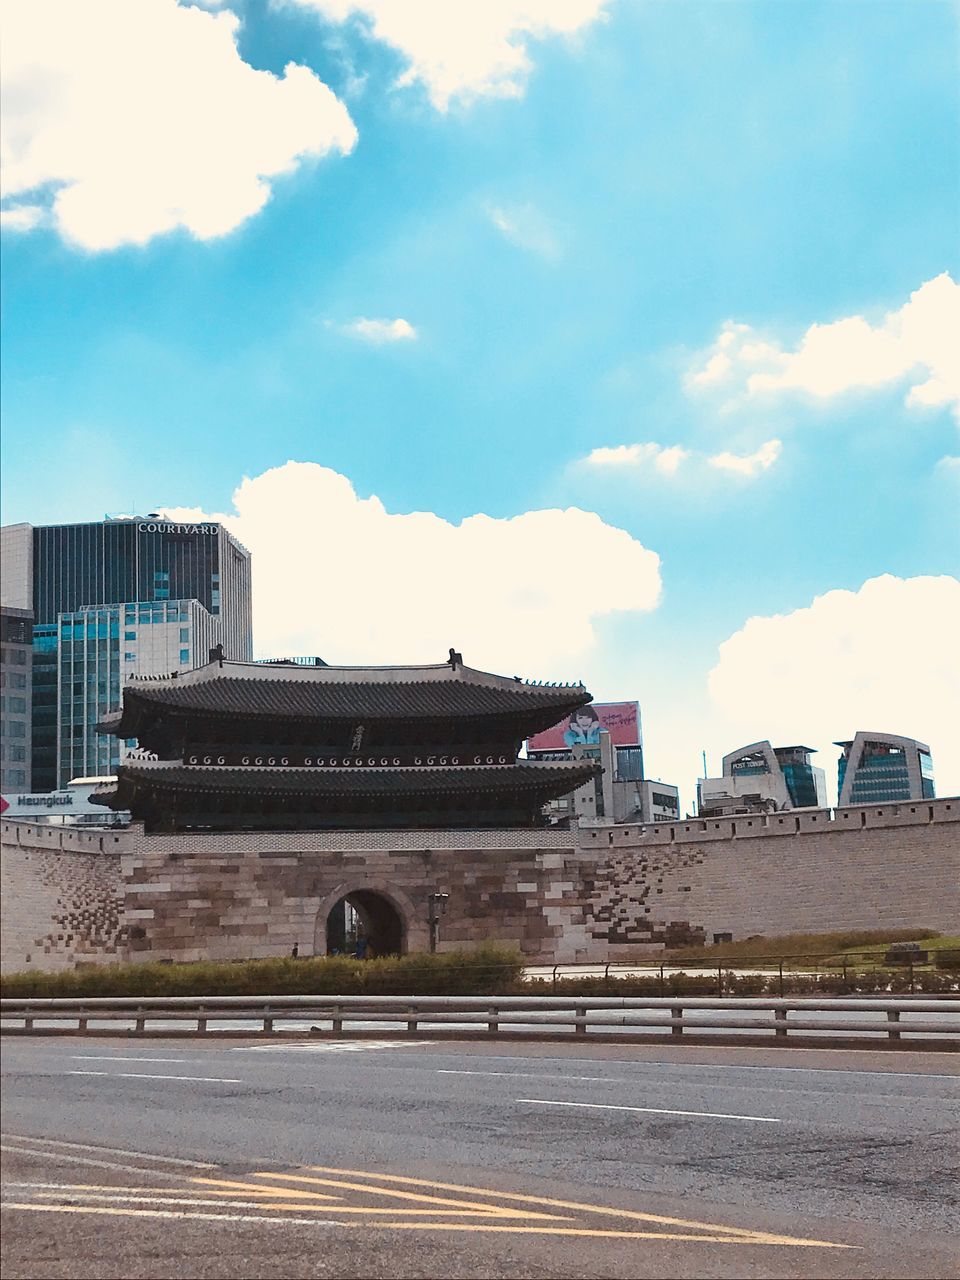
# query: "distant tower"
[[876, 768]]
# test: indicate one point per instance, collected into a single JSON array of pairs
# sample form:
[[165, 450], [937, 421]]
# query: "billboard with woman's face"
[[620, 719]]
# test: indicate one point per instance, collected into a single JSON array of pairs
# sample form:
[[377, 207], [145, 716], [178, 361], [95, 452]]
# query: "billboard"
[[620, 719]]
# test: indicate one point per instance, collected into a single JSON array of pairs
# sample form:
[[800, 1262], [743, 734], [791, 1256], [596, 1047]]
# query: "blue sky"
[[564, 243]]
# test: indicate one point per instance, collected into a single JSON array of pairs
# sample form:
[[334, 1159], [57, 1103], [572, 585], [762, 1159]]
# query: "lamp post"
[[438, 907]]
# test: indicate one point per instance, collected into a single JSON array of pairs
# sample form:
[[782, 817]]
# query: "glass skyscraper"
[[119, 598], [878, 768]]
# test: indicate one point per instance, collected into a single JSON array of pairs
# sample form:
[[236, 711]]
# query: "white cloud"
[[883, 658], [527, 228], [668, 459], [917, 344], [749, 464], [463, 48], [340, 576], [380, 331], [22, 217], [135, 119], [665, 459]]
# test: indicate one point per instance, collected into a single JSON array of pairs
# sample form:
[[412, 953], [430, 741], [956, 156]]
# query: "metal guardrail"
[[911, 1022]]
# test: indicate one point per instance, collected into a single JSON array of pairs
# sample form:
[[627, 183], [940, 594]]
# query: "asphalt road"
[[186, 1158]]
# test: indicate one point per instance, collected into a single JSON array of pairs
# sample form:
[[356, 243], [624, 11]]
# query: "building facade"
[[879, 767], [114, 599], [761, 778], [16, 663]]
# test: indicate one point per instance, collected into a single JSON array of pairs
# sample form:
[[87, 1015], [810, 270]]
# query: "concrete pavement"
[[421, 1159]]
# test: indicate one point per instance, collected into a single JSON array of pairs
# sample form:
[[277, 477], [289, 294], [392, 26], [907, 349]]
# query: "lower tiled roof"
[[554, 778]]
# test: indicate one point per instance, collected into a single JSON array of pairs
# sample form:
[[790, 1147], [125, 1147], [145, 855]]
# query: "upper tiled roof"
[[339, 693]]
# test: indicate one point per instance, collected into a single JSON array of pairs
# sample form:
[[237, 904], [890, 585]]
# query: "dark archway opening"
[[364, 923]]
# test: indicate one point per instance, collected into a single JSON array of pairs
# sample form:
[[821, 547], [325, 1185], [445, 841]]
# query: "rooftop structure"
[[880, 767], [241, 745], [761, 778]]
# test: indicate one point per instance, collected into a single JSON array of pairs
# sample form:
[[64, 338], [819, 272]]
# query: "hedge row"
[[488, 970]]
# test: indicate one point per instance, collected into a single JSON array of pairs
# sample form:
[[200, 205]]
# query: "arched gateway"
[[363, 920]]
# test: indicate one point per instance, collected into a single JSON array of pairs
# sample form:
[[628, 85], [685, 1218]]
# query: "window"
[[184, 635], [129, 657], [16, 729], [130, 635], [161, 593], [18, 753], [184, 655], [17, 704]]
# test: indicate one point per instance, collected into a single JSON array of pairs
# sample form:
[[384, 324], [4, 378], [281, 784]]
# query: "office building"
[[16, 654], [112, 599], [761, 778], [877, 767]]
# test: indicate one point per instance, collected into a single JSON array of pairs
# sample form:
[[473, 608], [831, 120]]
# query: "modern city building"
[[617, 793], [16, 662], [760, 778], [879, 767], [109, 600]]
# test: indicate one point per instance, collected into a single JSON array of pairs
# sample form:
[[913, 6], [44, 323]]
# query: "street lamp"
[[438, 907]]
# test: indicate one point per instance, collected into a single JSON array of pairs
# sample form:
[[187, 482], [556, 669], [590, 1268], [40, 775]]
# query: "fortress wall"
[[62, 897], [603, 893]]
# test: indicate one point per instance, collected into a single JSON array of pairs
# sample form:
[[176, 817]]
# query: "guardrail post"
[[893, 1015], [81, 1019], [554, 978], [677, 1012], [580, 1011], [412, 1020], [267, 1020], [662, 984], [781, 979], [201, 1019], [719, 979], [493, 1024], [141, 1022], [28, 1019], [780, 1016]]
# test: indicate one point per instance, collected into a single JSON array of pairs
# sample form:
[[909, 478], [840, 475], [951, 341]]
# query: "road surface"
[[211, 1159]]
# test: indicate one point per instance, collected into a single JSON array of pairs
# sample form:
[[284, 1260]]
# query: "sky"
[[613, 340]]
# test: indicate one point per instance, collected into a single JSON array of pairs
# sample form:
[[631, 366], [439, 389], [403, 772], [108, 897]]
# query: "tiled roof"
[[332, 693]]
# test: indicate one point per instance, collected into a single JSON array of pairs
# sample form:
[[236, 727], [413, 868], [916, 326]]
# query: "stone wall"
[[603, 893], [62, 897], [894, 865]]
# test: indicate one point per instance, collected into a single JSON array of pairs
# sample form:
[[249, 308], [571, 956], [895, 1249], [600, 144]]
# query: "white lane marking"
[[660, 1111], [329, 1046], [734, 1066], [540, 1075], [110, 1057], [173, 1213], [97, 1164], [143, 1075], [113, 1151]]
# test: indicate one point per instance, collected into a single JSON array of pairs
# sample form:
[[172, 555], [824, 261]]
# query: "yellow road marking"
[[170, 1213], [469, 1206], [755, 1236], [180, 1214], [262, 1190]]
